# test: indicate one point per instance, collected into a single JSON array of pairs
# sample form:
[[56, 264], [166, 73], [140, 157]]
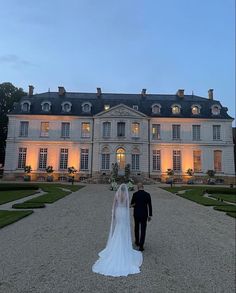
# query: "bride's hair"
[[123, 190]]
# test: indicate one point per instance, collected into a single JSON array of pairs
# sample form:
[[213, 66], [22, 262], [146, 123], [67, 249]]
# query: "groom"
[[142, 204]]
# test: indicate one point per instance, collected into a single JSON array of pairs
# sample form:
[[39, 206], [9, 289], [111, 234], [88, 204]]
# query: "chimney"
[[61, 91], [99, 92], [31, 90], [180, 93], [210, 94], [143, 93]]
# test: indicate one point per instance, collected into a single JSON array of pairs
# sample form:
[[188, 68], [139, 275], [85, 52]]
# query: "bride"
[[119, 258]]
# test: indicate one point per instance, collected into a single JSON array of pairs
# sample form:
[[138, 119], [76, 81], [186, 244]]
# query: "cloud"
[[14, 60]]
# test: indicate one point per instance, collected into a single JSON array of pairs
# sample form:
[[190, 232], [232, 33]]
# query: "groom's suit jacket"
[[142, 204]]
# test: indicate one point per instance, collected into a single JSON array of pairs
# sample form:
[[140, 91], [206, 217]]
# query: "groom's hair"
[[140, 185]]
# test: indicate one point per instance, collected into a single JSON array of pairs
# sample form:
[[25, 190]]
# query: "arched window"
[[156, 108], [215, 109], [176, 109], [46, 106], [86, 107], [120, 158], [196, 109], [25, 106], [66, 106]]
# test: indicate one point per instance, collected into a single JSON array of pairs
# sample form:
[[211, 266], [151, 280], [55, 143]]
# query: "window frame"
[[85, 134], [22, 155], [65, 133], [156, 160], [24, 130], [176, 131]]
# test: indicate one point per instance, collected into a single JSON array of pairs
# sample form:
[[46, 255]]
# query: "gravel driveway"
[[189, 248]]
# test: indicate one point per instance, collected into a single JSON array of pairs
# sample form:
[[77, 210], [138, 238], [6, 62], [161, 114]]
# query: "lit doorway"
[[120, 158]]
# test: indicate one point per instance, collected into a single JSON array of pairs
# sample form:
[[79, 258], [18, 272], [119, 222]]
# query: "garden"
[[16, 191], [220, 198]]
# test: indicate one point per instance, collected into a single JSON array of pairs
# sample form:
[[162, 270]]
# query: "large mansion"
[[90, 131]]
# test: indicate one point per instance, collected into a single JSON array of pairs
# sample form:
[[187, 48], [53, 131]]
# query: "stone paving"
[[189, 247]]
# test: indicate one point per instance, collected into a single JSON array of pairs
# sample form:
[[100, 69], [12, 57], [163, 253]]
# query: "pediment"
[[121, 111]]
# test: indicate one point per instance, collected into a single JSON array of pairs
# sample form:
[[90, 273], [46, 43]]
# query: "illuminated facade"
[[90, 131]]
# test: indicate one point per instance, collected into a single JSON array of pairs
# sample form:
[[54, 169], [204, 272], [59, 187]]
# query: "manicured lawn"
[[11, 195], [54, 193], [225, 197], [9, 217], [195, 193]]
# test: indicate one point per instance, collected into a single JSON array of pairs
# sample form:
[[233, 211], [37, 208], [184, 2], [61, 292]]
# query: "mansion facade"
[[90, 131]]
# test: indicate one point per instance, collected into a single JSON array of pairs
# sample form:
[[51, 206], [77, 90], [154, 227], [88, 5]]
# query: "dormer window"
[[196, 109], [175, 109], [215, 109], [135, 107], [46, 106], [25, 106], [66, 106], [106, 107], [156, 109], [86, 107]]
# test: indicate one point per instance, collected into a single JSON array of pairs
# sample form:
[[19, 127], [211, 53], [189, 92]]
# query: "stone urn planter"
[[49, 171]]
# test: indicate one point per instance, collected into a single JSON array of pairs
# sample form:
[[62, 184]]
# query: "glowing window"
[[44, 131], [106, 107], [135, 129], [195, 110], [175, 109], [85, 129], [120, 157]]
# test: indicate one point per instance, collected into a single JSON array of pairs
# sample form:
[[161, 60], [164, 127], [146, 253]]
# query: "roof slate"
[[144, 104]]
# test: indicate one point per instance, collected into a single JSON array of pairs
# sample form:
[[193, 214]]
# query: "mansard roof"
[[144, 104]]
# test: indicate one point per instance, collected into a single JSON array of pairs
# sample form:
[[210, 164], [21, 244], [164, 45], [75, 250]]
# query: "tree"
[[9, 94]]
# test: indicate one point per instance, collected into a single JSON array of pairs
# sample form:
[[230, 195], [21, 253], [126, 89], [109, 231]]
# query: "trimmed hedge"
[[221, 190], [231, 214], [28, 205], [226, 208], [17, 186]]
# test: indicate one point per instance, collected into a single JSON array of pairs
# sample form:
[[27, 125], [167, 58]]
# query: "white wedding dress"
[[119, 258]]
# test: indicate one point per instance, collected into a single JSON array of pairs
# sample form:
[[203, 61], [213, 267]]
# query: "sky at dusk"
[[121, 46]]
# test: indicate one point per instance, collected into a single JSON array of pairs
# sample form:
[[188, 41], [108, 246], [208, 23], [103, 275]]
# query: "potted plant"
[[127, 172], [27, 170], [71, 171], [211, 174], [170, 173], [49, 171], [190, 173]]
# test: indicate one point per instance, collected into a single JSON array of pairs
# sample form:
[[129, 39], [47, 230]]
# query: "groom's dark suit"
[[141, 201]]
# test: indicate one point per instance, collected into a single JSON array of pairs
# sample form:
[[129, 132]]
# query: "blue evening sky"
[[121, 46]]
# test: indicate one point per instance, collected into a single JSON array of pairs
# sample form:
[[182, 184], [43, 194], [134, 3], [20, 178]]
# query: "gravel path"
[[189, 248]]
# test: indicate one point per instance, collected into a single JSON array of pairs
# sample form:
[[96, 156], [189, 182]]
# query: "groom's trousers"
[[140, 223]]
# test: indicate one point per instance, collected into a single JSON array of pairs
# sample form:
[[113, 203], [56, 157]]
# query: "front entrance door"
[[120, 158]]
